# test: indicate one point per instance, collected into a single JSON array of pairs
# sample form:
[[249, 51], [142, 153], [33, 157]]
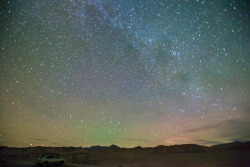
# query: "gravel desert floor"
[[208, 159]]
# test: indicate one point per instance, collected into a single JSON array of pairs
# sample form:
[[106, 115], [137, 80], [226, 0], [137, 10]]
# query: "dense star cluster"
[[124, 72]]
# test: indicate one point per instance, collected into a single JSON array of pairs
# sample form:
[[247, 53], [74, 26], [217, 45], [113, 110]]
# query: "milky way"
[[124, 72]]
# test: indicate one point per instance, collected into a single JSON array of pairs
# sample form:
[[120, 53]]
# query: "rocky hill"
[[237, 145]]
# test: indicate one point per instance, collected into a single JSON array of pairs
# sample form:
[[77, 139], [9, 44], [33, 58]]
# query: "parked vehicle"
[[50, 159]]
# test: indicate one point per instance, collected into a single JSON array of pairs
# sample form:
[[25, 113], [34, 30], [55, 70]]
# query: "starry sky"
[[124, 72]]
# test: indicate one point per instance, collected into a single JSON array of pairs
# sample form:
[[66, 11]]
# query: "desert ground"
[[230, 158]]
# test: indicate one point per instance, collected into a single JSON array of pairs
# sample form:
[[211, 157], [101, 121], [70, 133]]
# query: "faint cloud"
[[132, 139], [39, 139], [232, 125], [188, 140], [55, 143], [232, 129], [207, 127], [207, 142], [80, 139], [179, 140]]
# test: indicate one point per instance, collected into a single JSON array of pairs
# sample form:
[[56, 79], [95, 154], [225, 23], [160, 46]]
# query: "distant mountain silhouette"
[[114, 146], [138, 147], [98, 147], [161, 149]]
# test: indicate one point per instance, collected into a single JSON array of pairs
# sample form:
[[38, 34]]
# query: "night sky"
[[124, 72]]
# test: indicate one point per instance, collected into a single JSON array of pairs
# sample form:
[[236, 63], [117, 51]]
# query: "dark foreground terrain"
[[236, 154], [208, 159]]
